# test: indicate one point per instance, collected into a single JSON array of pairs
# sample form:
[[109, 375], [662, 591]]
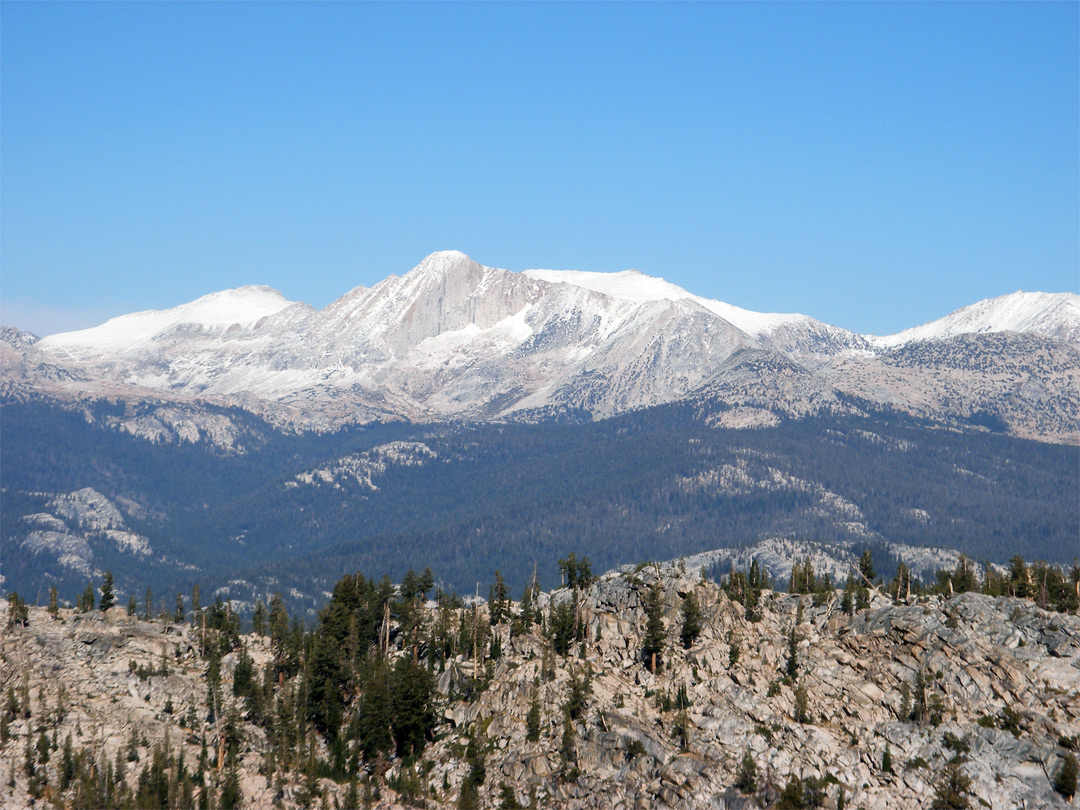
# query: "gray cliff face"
[[75, 524], [1001, 675]]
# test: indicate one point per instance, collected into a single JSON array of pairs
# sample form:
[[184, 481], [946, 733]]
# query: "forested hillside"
[[300, 510]]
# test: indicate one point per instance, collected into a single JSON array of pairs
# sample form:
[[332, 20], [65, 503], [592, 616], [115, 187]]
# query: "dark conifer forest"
[[514, 496]]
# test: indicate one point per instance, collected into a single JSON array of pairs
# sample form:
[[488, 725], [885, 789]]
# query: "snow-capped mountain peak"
[[1053, 315], [441, 267], [453, 338], [243, 306], [627, 285], [633, 285], [443, 261]]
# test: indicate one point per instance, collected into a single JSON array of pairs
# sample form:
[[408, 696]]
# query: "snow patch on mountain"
[[1052, 315], [633, 285], [17, 338], [241, 307]]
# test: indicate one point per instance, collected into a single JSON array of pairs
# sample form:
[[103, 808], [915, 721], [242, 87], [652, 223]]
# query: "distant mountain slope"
[[1005, 381], [1051, 315], [301, 510], [454, 339], [238, 308]]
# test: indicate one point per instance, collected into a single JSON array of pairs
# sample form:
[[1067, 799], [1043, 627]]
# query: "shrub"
[[746, 777], [1065, 778]]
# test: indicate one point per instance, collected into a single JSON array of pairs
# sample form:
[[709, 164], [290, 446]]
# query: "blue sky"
[[873, 165]]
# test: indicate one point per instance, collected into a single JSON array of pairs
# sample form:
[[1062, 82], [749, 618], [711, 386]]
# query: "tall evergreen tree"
[[746, 777], [653, 645], [532, 721], [498, 600], [562, 626], [413, 719], [258, 618], [86, 600], [791, 668], [691, 620], [1066, 777], [375, 712], [567, 745], [866, 566]]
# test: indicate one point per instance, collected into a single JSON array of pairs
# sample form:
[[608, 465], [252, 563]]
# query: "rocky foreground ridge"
[[999, 679]]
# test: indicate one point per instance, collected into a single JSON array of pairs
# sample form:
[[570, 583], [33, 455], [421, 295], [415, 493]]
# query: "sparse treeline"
[[341, 701], [1050, 586], [345, 700]]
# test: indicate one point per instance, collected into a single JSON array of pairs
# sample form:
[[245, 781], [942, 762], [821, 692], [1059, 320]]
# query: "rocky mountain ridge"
[[997, 678], [456, 339]]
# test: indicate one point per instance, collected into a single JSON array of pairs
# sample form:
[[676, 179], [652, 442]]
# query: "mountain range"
[[475, 418], [454, 339]]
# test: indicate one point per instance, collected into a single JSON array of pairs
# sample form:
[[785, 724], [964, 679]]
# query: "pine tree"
[[108, 594], [746, 777], [507, 798], [562, 626], [86, 600], [567, 746], [791, 668], [258, 618], [475, 757], [575, 702], [691, 616], [231, 795], [18, 611], [43, 748], [352, 796], [866, 566], [532, 721], [802, 704], [793, 796], [653, 645], [847, 604], [279, 629], [413, 718], [905, 701], [1066, 776], [375, 712], [921, 710], [886, 760], [498, 600], [195, 604], [953, 788]]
